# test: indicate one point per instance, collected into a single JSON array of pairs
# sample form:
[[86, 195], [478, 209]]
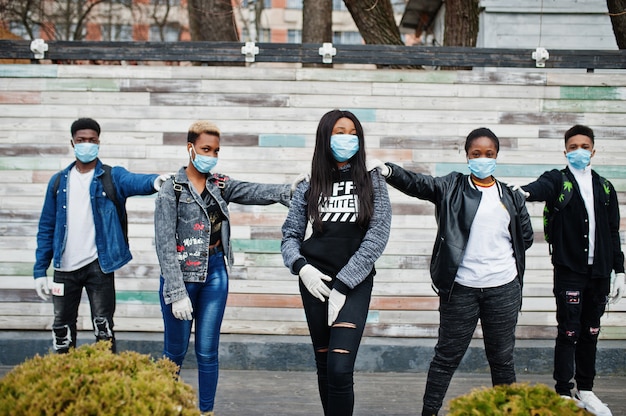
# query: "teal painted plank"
[[341, 75], [611, 172], [256, 246], [25, 163], [373, 317], [28, 71], [137, 296], [19, 269], [363, 114], [528, 171], [83, 85], [591, 93], [281, 140], [584, 106]]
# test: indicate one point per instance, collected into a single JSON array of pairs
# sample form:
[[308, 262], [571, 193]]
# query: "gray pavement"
[[284, 393], [293, 393], [274, 375]]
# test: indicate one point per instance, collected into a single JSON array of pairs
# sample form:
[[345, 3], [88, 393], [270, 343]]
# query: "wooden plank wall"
[[268, 116]]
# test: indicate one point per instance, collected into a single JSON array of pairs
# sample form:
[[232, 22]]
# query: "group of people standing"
[[336, 228]]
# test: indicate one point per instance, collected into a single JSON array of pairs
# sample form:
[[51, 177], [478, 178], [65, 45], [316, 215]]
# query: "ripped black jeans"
[[580, 303], [67, 291], [336, 347]]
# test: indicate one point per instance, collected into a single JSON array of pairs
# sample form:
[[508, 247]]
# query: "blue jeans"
[[336, 347], [580, 303], [497, 308], [100, 289], [208, 299]]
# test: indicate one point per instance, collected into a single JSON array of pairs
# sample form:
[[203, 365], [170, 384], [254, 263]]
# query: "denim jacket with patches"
[[183, 229]]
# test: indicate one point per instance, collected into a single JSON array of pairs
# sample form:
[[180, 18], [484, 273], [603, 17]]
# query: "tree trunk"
[[617, 11], [212, 21], [461, 24], [376, 24], [317, 24], [375, 21]]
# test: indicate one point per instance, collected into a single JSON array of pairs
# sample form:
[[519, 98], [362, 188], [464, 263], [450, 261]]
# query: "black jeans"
[[67, 291], [498, 309], [336, 347], [580, 303]]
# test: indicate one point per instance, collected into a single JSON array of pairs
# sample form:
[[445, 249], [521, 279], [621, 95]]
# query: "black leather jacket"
[[456, 201]]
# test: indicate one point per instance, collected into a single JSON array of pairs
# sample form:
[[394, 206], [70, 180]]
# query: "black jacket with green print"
[[570, 230]]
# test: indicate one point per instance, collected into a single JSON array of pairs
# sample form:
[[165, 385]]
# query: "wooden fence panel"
[[268, 117]]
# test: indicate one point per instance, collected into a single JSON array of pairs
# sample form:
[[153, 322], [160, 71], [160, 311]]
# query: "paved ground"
[[283, 393], [293, 393]]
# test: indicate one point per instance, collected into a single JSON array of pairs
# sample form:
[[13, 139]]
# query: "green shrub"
[[91, 380], [519, 399]]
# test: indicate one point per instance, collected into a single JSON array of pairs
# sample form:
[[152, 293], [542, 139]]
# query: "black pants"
[[336, 347], [580, 303], [67, 291], [497, 309]]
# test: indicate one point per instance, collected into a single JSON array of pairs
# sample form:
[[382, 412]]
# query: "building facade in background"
[[168, 20], [551, 24]]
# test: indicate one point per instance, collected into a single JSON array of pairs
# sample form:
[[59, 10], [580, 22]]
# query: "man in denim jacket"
[[81, 234]]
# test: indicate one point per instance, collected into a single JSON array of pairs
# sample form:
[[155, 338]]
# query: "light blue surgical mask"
[[344, 146], [579, 158], [482, 167], [204, 164], [86, 152]]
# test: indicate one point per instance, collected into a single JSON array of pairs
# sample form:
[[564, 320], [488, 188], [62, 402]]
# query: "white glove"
[[301, 177], [372, 164], [336, 300], [41, 286], [181, 309], [517, 188], [313, 280], [617, 288], [158, 182]]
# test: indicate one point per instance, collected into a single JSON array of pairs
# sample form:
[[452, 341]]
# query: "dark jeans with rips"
[[580, 303], [497, 309], [336, 347], [67, 291]]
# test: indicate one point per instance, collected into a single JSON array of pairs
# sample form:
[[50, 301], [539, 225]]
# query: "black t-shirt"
[[215, 216]]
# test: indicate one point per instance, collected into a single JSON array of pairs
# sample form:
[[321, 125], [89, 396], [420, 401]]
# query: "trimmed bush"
[[91, 380], [519, 399]]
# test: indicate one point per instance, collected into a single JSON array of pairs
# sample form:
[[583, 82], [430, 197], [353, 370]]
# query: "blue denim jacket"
[[182, 233], [113, 250]]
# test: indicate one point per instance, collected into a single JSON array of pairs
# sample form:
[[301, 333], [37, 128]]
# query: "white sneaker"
[[593, 404], [576, 401]]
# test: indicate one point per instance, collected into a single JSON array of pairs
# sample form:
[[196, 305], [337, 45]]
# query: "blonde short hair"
[[202, 126]]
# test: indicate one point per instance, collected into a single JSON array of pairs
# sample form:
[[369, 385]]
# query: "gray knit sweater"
[[361, 263]]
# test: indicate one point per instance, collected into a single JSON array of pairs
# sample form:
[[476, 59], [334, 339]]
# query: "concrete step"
[[295, 353]]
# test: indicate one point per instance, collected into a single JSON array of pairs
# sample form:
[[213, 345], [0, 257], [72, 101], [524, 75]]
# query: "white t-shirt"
[[80, 247], [585, 184], [488, 260]]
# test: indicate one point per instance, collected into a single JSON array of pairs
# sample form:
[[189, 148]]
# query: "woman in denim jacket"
[[192, 234]]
